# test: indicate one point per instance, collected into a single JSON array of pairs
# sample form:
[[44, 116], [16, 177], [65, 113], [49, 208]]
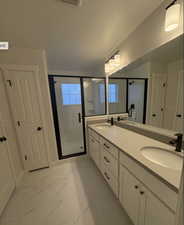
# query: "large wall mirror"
[[153, 93]]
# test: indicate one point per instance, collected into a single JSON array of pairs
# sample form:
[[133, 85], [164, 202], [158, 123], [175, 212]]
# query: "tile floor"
[[72, 193]]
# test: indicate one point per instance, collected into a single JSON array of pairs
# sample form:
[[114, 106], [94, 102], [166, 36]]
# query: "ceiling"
[[75, 38]]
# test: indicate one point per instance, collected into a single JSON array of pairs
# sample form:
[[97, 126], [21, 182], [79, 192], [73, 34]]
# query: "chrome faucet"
[[177, 142]]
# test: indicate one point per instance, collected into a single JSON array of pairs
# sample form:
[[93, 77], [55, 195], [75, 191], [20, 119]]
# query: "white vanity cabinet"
[[140, 204], [146, 198]]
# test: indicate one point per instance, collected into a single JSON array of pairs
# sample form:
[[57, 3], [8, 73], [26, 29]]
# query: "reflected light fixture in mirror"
[[107, 68], [172, 16], [117, 59], [112, 64]]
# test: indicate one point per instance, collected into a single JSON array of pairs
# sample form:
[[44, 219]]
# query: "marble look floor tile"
[[72, 193]]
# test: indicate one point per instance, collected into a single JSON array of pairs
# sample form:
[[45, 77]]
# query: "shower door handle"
[[79, 117]]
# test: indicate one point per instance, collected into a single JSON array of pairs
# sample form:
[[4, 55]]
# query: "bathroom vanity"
[[143, 173]]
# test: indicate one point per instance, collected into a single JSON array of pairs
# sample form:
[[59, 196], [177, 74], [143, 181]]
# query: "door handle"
[[79, 117], [154, 115], [106, 159], [4, 138], [39, 128], [179, 115]]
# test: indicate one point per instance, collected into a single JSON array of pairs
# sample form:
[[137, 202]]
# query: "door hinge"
[[10, 83]]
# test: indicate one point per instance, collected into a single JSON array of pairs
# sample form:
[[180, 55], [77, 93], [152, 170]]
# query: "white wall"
[[148, 36], [36, 57]]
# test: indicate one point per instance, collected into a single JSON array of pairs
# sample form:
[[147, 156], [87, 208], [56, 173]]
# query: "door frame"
[[55, 112], [145, 93], [30, 68], [145, 96]]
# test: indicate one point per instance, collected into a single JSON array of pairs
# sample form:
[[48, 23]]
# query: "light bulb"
[[172, 17], [107, 68], [112, 63], [117, 59]]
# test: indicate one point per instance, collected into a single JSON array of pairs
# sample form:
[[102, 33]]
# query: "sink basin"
[[102, 126], [163, 157]]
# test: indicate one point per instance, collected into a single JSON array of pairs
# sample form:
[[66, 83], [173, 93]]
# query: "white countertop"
[[131, 143]]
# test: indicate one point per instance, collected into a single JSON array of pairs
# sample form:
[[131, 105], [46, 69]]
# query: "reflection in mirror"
[[137, 92], [117, 91], [94, 96], [163, 68]]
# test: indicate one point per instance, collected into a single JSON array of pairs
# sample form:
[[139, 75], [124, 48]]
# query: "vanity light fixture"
[[117, 59], [172, 16], [112, 63]]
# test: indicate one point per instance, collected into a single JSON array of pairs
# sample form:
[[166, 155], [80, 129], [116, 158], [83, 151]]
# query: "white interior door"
[[25, 101], [179, 117], [157, 103], [69, 109], [7, 183]]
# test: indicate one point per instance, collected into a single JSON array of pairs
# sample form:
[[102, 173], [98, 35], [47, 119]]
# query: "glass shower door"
[[136, 100], [69, 109]]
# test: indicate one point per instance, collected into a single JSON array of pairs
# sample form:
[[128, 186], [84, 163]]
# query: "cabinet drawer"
[[111, 180], [93, 134], [159, 188], [109, 162], [110, 148]]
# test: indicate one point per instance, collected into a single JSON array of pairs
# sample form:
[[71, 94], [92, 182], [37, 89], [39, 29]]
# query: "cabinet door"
[[94, 150], [131, 196], [156, 213], [91, 141], [121, 183], [26, 104]]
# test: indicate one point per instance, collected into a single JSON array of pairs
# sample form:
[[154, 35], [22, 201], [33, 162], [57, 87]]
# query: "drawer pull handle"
[[106, 146], [106, 175], [106, 159], [136, 187], [141, 192]]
